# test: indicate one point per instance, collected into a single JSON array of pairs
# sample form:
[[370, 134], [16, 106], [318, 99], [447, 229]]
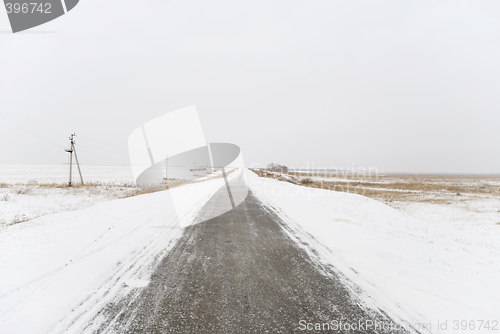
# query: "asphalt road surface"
[[239, 273]]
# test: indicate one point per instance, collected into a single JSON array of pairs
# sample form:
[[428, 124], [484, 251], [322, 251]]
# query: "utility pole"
[[71, 151], [166, 172]]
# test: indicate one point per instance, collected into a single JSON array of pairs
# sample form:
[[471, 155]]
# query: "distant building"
[[273, 167]]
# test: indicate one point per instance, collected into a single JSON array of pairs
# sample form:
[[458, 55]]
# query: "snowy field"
[[58, 271], [59, 174], [427, 257], [425, 262], [30, 191]]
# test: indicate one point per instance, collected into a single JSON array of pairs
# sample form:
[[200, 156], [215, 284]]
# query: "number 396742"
[[28, 7]]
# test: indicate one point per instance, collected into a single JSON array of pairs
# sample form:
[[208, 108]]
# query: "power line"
[[101, 144], [31, 132]]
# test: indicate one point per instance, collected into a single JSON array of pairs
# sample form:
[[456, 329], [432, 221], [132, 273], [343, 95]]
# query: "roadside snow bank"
[[58, 271], [419, 272]]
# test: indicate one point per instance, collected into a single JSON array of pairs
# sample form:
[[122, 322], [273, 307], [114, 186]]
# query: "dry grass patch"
[[306, 180], [437, 189], [409, 184], [86, 185], [143, 192], [19, 219]]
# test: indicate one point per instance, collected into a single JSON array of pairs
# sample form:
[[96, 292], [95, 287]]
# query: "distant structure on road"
[[273, 167]]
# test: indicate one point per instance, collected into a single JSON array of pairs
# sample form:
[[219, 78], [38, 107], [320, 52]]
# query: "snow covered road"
[[239, 273]]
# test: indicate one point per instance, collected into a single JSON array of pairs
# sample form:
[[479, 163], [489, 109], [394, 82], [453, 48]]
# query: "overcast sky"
[[408, 86]]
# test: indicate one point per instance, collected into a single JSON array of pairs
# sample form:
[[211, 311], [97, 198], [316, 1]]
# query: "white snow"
[[421, 263], [31, 191], [418, 270], [58, 271]]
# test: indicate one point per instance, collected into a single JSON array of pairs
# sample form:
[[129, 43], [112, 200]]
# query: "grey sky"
[[399, 85]]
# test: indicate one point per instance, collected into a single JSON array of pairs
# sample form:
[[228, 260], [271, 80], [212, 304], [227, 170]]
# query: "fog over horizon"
[[392, 85]]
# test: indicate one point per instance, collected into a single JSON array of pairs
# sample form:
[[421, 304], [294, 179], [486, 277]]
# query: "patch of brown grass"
[[85, 185], [19, 219], [62, 185], [430, 189], [143, 192], [306, 180]]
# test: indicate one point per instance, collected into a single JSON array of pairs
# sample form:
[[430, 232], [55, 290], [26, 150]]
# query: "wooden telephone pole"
[[71, 151]]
